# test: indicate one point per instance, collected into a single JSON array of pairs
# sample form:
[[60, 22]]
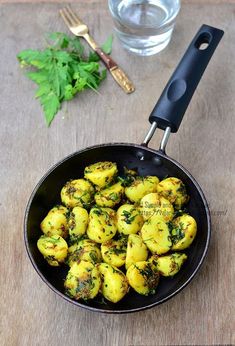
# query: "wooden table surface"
[[31, 314]]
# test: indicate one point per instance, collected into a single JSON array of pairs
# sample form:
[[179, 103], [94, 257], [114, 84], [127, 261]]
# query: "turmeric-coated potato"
[[102, 224], [156, 235], [54, 249], [129, 219], [140, 187], [184, 229], [114, 283], [154, 204], [169, 265], [82, 281], [174, 190], [136, 250], [77, 223], [114, 252], [56, 223], [78, 192], [101, 173], [84, 250], [143, 277], [110, 196]]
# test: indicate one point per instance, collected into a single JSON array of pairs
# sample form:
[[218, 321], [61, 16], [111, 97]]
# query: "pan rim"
[[115, 144]]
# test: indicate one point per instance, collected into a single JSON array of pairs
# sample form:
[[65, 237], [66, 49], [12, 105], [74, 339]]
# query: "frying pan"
[[166, 115]]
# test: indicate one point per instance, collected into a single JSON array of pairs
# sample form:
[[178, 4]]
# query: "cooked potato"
[[102, 224], [101, 173], [154, 204], [77, 223], [110, 196], [174, 190], [129, 219], [156, 235], [169, 265], [143, 277], [82, 281], [184, 229], [78, 192], [84, 250], [114, 252], [136, 250], [114, 283], [55, 223], [54, 249], [140, 187]]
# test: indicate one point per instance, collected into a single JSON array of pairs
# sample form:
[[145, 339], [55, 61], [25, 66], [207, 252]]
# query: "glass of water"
[[144, 27]]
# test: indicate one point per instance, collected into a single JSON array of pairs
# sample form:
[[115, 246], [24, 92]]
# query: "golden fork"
[[78, 28]]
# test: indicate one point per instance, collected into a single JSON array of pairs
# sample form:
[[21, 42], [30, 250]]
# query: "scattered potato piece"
[[129, 219], [140, 187], [55, 223], [54, 249], [154, 204], [169, 265], [82, 281], [78, 192], [101, 173], [84, 250], [110, 196], [174, 190], [77, 223], [156, 235], [114, 252], [184, 229], [102, 224], [143, 277], [114, 282], [136, 250]]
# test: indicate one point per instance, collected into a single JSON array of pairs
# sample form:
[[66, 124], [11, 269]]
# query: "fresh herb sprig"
[[62, 70]]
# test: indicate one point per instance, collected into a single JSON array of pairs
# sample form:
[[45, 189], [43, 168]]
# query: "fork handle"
[[117, 73], [107, 60]]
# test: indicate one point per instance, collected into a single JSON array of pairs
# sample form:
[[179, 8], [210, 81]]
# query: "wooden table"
[[31, 314]]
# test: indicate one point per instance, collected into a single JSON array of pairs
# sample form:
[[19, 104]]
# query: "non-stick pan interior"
[[47, 194]]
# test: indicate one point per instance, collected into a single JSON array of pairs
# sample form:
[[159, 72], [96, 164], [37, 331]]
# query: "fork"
[[78, 28]]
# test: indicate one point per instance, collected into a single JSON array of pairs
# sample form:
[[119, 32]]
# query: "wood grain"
[[203, 314]]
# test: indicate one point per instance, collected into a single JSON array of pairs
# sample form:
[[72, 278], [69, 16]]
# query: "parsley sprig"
[[62, 70]]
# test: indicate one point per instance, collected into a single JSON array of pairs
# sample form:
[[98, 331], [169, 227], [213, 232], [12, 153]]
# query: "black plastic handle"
[[173, 102]]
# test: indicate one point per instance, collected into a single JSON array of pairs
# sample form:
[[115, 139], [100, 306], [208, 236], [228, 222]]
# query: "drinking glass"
[[144, 27]]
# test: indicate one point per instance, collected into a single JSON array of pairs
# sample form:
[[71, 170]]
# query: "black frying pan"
[[167, 115]]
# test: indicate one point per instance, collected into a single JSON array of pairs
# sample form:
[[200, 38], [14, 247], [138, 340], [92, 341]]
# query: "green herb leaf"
[[61, 71]]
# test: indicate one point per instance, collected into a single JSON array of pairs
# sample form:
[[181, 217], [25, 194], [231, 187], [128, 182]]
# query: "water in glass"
[[144, 27]]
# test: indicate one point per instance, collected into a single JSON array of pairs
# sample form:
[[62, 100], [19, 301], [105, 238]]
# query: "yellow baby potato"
[[110, 196], [140, 187], [129, 219], [114, 283], [184, 229], [77, 223], [143, 277], [101, 173], [156, 235], [82, 281], [154, 204], [55, 223], [114, 252], [84, 250], [102, 224], [54, 249], [169, 265], [78, 192], [136, 250], [174, 190]]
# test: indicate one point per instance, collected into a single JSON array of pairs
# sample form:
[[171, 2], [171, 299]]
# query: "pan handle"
[[174, 100]]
